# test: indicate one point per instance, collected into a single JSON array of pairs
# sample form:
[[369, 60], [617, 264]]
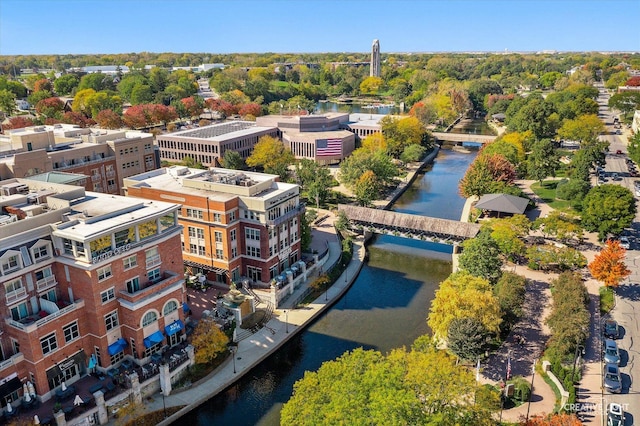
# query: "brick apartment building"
[[236, 224], [87, 280], [104, 156]]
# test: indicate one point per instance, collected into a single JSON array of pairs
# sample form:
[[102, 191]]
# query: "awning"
[[174, 327], [117, 347], [10, 387], [153, 340], [185, 307]]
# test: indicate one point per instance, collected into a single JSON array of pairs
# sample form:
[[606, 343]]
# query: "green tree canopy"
[[608, 209], [65, 84], [361, 160], [481, 257], [584, 128], [542, 161], [232, 160], [467, 338]]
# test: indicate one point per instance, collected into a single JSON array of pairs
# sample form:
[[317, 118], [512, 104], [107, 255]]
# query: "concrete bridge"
[[463, 137], [417, 227]]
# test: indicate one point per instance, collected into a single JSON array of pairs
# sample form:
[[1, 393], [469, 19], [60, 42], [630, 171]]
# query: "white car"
[[615, 415], [624, 243]]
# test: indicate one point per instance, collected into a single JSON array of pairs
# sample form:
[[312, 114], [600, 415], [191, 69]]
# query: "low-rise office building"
[[207, 145], [237, 225], [87, 280]]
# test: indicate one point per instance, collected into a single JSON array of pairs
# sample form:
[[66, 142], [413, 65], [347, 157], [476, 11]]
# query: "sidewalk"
[[255, 349]]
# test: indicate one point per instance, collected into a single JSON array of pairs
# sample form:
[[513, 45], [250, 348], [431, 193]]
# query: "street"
[[627, 297]]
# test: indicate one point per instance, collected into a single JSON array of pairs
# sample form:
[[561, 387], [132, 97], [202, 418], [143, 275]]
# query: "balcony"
[[96, 178], [287, 216], [10, 362], [46, 283], [16, 295], [151, 288], [111, 173], [33, 322]]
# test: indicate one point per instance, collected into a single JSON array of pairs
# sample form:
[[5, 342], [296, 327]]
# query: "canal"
[[385, 308]]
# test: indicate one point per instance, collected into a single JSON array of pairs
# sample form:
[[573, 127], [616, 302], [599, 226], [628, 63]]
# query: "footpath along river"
[[385, 308]]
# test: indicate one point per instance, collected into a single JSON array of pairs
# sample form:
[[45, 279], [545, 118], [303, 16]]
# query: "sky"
[[315, 26]]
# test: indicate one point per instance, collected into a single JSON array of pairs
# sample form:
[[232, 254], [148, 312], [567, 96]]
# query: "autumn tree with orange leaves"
[[553, 420], [608, 266]]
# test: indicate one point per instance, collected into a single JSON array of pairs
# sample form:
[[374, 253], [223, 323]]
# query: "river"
[[385, 308]]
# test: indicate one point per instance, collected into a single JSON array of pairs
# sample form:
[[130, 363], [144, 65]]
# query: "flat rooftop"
[[220, 131]]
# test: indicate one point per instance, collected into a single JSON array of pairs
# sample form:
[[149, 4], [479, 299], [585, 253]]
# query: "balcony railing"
[[10, 362], [33, 322], [285, 217], [46, 283], [150, 286], [16, 295]]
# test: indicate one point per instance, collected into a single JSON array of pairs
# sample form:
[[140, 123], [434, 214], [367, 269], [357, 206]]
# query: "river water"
[[385, 308]]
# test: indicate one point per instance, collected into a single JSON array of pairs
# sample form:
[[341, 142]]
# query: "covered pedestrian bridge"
[[417, 227]]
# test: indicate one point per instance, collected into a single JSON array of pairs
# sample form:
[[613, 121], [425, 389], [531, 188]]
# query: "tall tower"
[[375, 59]]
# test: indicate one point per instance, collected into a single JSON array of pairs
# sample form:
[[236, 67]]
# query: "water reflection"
[[386, 307]]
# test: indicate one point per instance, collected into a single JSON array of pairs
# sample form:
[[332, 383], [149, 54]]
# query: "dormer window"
[[10, 264]]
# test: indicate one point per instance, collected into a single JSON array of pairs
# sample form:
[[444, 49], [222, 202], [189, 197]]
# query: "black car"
[[611, 330]]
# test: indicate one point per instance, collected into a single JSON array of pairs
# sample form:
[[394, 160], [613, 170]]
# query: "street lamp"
[[533, 376], [579, 349], [286, 321], [233, 357], [164, 405]]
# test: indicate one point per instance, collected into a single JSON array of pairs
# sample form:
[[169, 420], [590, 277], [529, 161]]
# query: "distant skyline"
[[316, 26]]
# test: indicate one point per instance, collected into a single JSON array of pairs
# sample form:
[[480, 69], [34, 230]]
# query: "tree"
[[50, 107], [510, 292], [314, 179], [533, 114], [193, 105], [463, 295], [559, 225], [413, 153], [553, 420], [271, 154], [72, 117], [584, 128], [481, 257], [507, 150], [367, 188], [508, 234], [400, 133], [426, 113], [7, 102], [251, 109], [485, 173], [96, 81], [141, 94], [467, 338], [608, 266], [65, 84], [233, 160], [18, 123], [548, 80], [542, 161], [361, 160], [374, 142], [108, 119], [371, 85], [43, 85], [608, 209], [208, 341], [625, 102]]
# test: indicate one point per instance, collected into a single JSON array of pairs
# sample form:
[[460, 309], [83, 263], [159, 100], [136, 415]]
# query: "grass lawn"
[[547, 192], [607, 301]]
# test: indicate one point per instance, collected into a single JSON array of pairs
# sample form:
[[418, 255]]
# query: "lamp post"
[[533, 376], [286, 321], [233, 357], [164, 405], [579, 350]]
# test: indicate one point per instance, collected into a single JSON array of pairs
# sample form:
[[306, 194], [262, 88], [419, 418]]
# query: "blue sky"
[[294, 26]]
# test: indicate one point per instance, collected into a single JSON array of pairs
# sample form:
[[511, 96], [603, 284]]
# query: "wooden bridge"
[[417, 227], [463, 137]]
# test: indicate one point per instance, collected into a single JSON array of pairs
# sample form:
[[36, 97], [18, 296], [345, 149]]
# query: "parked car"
[[624, 243], [615, 414], [619, 152], [615, 176], [612, 380], [611, 330], [611, 353]]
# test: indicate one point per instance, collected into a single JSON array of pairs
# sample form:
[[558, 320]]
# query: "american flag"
[[328, 147]]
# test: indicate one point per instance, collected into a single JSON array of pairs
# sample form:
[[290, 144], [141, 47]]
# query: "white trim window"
[[104, 273]]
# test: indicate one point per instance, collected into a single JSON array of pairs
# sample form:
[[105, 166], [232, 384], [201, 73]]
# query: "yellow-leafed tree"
[[208, 341]]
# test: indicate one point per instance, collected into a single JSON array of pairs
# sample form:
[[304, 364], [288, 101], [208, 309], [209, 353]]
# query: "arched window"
[[169, 307], [149, 318]]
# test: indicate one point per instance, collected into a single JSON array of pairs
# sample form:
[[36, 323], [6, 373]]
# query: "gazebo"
[[502, 203]]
